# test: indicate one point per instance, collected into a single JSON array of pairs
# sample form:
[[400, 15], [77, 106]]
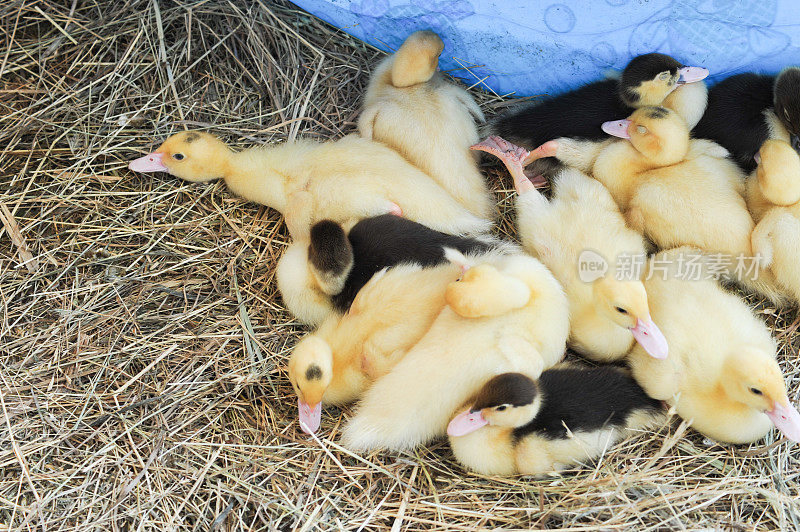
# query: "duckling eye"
[[500, 408], [178, 156], [663, 76], [756, 391], [621, 310], [641, 130]]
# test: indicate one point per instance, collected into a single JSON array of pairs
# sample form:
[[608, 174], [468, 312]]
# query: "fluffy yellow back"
[[430, 122]]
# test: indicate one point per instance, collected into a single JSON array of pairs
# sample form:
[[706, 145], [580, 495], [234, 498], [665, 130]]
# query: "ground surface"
[[143, 341]]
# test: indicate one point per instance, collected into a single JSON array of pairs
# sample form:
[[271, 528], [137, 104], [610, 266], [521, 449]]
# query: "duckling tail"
[[417, 59]]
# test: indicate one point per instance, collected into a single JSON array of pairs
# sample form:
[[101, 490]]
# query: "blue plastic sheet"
[[537, 47]]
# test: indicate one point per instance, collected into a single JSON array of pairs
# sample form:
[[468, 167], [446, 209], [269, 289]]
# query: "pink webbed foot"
[[395, 209], [513, 158], [501, 148]]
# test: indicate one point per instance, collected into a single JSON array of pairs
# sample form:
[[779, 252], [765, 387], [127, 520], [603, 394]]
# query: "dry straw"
[[143, 340]]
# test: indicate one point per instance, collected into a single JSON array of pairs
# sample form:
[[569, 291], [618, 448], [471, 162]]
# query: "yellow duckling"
[[343, 180], [410, 107], [580, 227], [337, 362], [721, 373], [506, 314], [773, 195]]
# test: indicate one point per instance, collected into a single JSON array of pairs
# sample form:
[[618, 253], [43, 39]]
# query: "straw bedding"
[[142, 338]]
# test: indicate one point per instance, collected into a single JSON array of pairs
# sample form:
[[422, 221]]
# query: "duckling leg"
[[579, 154], [369, 206], [513, 157], [761, 237], [485, 291], [299, 208]]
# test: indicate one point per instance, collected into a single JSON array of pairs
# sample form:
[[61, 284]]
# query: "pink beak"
[[691, 74], [617, 128], [787, 420], [650, 338], [466, 422], [310, 417], [149, 163]]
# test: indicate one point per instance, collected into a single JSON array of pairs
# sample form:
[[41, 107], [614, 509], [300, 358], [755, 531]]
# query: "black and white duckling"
[[747, 109], [516, 425], [412, 108], [649, 79], [322, 274]]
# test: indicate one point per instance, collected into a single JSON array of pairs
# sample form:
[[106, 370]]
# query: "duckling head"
[[778, 173], [190, 155], [787, 103], [624, 302], [310, 372], [507, 400], [752, 377], [659, 134], [649, 78], [416, 60]]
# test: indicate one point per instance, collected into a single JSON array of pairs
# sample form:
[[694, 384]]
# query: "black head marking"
[[787, 99], [330, 250], [656, 113], [191, 137], [514, 389], [313, 373], [644, 68]]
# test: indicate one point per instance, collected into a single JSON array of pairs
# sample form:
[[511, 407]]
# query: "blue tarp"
[[536, 47]]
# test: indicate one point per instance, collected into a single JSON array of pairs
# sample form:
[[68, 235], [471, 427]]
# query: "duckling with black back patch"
[[747, 109], [322, 275], [649, 79], [517, 425]]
